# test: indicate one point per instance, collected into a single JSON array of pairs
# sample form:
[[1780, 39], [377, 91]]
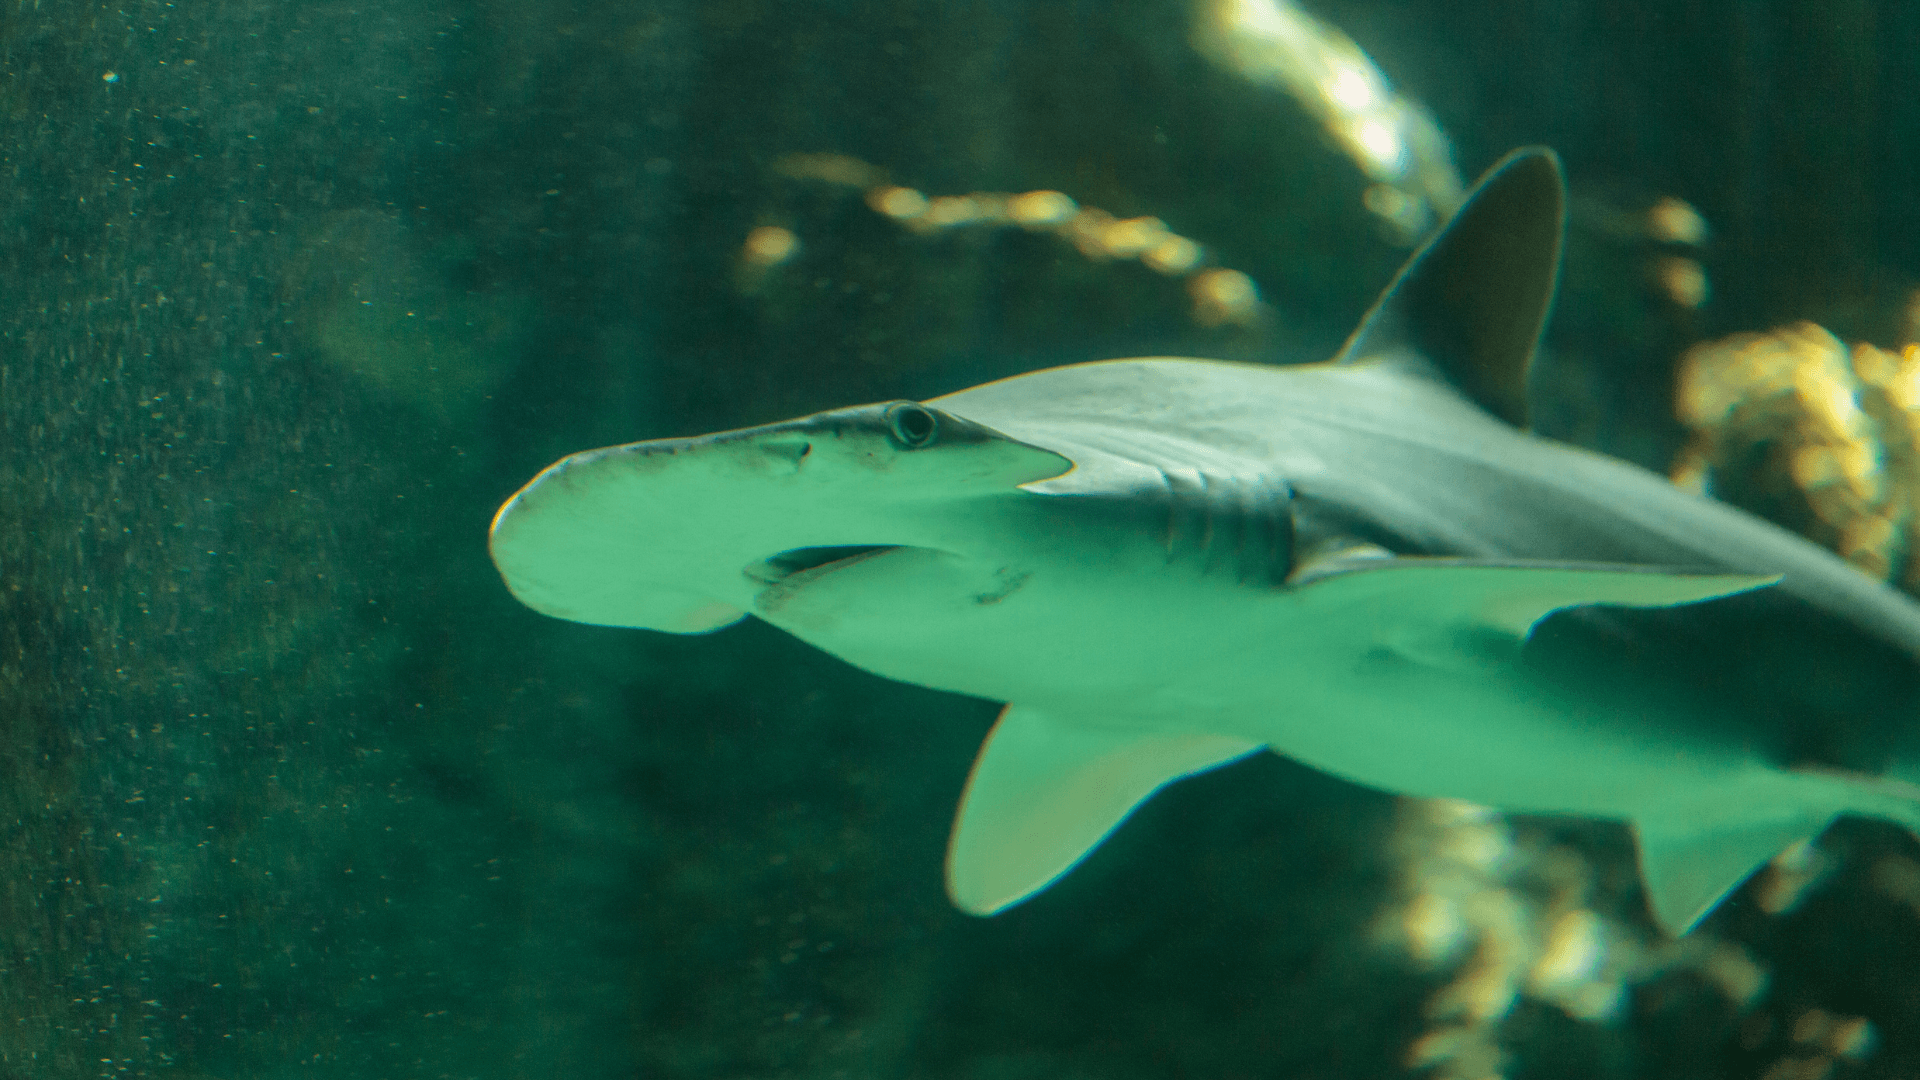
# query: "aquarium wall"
[[297, 294]]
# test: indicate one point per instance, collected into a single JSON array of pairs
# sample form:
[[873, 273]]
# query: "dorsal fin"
[[1472, 301]]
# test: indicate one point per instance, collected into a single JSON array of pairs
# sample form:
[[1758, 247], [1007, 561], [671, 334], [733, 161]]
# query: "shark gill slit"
[[1250, 539], [1267, 553], [1227, 521], [1260, 531], [1280, 540], [1245, 525], [1206, 496], [1172, 530], [1189, 526], [1257, 530], [1226, 524]]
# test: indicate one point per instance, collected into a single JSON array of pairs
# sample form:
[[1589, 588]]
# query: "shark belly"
[[1506, 737], [1020, 631], [1106, 599]]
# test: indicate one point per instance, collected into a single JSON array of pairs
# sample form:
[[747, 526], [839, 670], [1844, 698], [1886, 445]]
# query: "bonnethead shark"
[[1368, 565]]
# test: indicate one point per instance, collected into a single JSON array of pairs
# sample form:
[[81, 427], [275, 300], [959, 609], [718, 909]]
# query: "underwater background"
[[296, 294]]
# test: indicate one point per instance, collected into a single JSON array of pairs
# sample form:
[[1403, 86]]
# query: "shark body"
[[1368, 565]]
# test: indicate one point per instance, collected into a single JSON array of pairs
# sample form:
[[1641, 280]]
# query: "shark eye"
[[913, 427]]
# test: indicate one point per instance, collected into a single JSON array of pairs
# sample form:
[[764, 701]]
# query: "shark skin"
[[1368, 565]]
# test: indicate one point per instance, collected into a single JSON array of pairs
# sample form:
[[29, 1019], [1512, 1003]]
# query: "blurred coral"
[[1220, 296], [1391, 138], [1822, 439], [1514, 915]]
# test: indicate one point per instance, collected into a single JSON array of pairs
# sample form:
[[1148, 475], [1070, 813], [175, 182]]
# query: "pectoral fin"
[[1505, 596], [1688, 871], [1045, 790]]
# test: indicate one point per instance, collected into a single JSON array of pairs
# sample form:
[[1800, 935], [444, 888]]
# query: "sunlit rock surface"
[[1822, 438]]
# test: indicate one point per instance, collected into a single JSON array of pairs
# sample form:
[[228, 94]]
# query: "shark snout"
[[688, 534]]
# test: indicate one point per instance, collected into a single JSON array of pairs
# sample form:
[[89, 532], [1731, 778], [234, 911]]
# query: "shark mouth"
[[813, 562]]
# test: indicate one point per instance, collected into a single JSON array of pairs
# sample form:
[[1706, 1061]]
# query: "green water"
[[296, 293]]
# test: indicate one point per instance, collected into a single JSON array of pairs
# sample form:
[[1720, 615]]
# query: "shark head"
[[688, 535]]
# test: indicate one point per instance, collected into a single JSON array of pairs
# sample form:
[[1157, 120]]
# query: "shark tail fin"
[[1470, 305], [1691, 863], [1046, 789]]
